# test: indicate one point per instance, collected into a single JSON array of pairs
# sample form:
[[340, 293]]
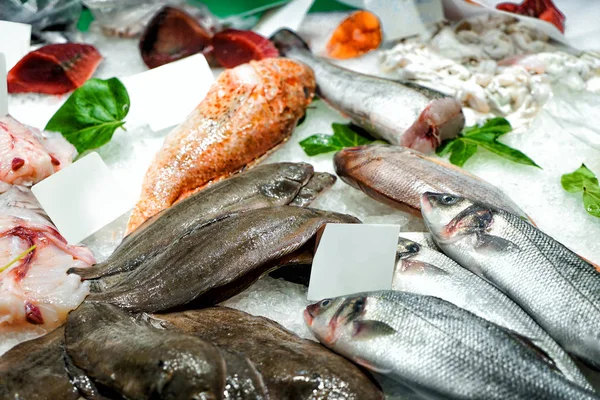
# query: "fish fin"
[[494, 244], [370, 366], [422, 267], [368, 329], [530, 343]]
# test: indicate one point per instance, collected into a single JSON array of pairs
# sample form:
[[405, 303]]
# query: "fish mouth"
[[308, 317], [442, 119]]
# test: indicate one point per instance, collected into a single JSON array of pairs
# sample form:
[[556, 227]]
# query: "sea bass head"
[[451, 218]]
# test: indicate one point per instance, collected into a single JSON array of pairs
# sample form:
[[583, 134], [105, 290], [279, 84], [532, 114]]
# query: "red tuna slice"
[[54, 69], [542, 9], [233, 47], [172, 34]]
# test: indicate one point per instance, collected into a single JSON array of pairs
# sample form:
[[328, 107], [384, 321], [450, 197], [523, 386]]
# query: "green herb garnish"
[[92, 113], [343, 136], [17, 258], [465, 145], [584, 180]]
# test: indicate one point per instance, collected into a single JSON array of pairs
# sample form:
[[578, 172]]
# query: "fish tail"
[[286, 40]]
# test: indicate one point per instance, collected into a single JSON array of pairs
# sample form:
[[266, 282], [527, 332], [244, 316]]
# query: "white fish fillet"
[[28, 155], [36, 293]]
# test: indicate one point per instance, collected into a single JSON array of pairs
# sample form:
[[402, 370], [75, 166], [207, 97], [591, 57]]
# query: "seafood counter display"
[[201, 291]]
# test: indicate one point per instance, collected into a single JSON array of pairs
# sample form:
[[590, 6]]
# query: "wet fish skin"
[[556, 287], [263, 186], [35, 370], [248, 111], [400, 114], [293, 368], [123, 352], [398, 176], [319, 182], [200, 268], [439, 350], [428, 272]]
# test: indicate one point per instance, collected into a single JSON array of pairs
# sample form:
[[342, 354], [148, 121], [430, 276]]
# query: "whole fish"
[[439, 350], [424, 271], [264, 186], [248, 111], [35, 370], [125, 353], [398, 177], [292, 368], [555, 286], [417, 118], [36, 293], [216, 261]]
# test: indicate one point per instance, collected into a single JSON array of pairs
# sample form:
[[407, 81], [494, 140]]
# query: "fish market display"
[[54, 69], [401, 115], [28, 155], [249, 110], [126, 354], [35, 370], [264, 186], [35, 291], [291, 367], [398, 177], [437, 349], [424, 271], [216, 261], [556, 287]]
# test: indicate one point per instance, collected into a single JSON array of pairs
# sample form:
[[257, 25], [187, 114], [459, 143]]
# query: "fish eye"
[[413, 248], [447, 199], [325, 303]]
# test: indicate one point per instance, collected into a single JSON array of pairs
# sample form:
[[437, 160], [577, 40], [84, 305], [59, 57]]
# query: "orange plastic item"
[[356, 35]]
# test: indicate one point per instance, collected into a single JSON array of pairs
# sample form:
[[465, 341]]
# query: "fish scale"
[[439, 350], [556, 287]]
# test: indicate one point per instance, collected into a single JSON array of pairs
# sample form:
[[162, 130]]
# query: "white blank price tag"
[[164, 96], [83, 198], [353, 258], [288, 16], [3, 89], [14, 41]]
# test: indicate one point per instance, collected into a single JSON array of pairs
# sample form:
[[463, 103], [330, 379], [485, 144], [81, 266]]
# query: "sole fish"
[[248, 111], [555, 286], [405, 115], [218, 260], [292, 368], [35, 370], [398, 177], [264, 186], [124, 353], [428, 272], [439, 350]]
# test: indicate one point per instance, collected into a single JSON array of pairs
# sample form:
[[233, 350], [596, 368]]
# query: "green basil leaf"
[[344, 136], [318, 144], [577, 180], [461, 152], [509, 153], [591, 200], [498, 126], [92, 113], [445, 147]]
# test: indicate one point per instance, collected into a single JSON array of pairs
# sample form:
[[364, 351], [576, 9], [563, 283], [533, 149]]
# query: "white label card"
[[15, 39], [3, 88], [353, 258], [288, 16], [83, 198], [164, 96]]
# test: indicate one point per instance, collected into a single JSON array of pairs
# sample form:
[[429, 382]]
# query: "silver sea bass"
[[422, 270], [439, 350], [404, 114], [560, 290]]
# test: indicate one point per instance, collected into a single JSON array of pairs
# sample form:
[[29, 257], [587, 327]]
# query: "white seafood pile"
[[538, 192]]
